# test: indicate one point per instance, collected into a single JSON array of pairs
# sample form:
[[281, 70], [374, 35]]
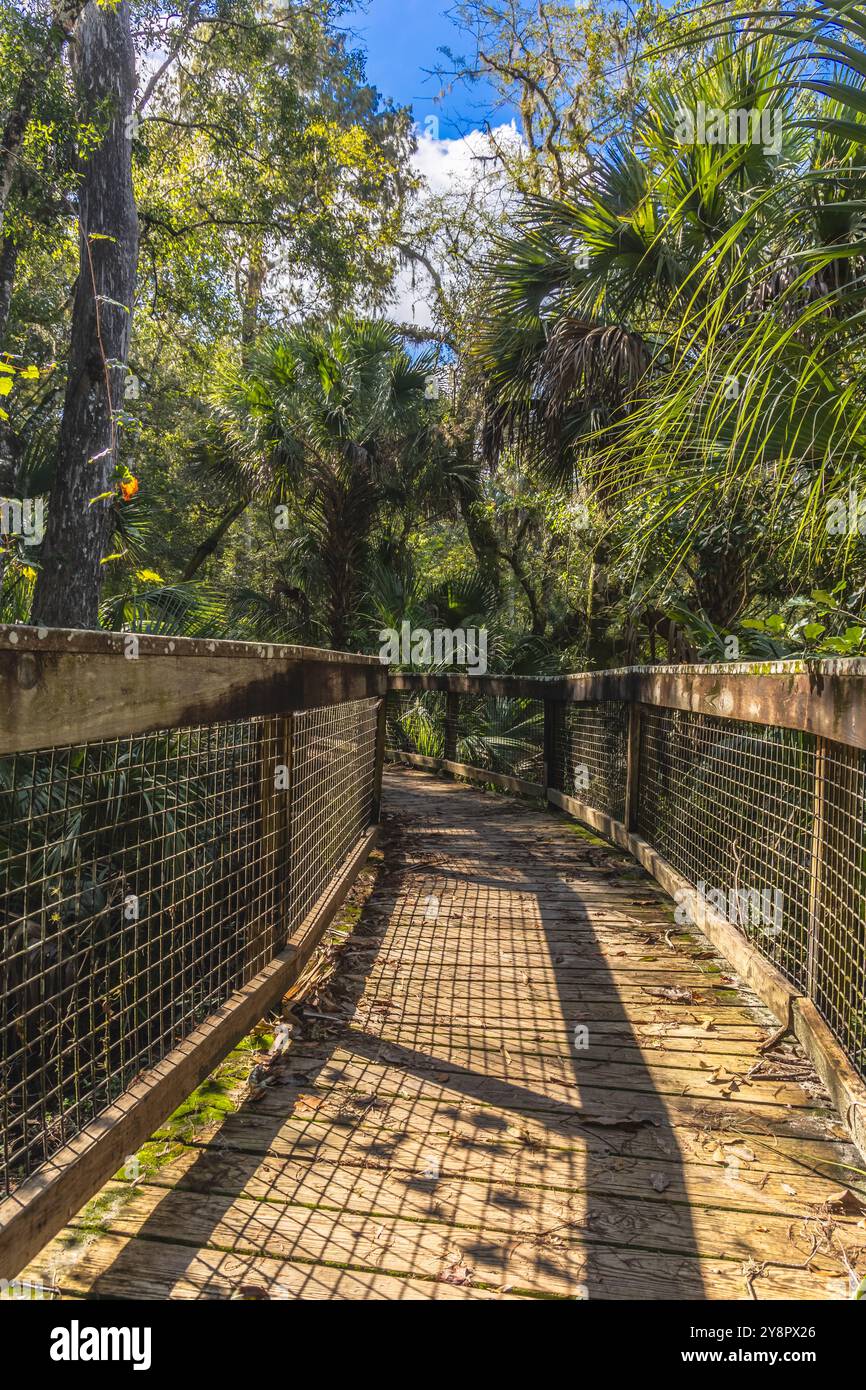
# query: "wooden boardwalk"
[[538, 1086]]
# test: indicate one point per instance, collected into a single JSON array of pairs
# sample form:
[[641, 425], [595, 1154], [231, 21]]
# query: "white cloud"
[[463, 168], [444, 162]]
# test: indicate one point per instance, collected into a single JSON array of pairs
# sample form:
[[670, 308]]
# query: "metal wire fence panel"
[[837, 955], [142, 881], [501, 734], [591, 755], [332, 773], [730, 806], [416, 722]]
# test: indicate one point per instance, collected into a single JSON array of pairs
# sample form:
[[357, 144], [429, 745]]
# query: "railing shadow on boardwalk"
[[682, 766], [366, 1163]]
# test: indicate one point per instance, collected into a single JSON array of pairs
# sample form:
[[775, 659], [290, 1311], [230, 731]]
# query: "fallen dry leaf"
[[743, 1153], [311, 1102], [456, 1274], [632, 1122], [846, 1202]]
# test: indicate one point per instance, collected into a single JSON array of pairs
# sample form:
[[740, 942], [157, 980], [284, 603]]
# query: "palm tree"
[[687, 320], [588, 301], [329, 422], [762, 389]]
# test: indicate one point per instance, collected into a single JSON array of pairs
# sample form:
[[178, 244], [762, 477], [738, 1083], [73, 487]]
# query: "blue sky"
[[402, 38]]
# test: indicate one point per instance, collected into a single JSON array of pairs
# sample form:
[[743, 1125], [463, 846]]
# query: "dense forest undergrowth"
[[626, 425]]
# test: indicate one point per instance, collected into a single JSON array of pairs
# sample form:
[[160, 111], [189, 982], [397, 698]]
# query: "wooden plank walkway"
[[444, 1137]]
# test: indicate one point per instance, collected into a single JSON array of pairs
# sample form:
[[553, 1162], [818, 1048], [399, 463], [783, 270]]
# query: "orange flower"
[[128, 488]]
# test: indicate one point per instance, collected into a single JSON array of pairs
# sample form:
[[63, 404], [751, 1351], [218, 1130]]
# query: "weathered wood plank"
[[484, 776], [127, 1268], [527, 1256], [625, 1068], [118, 1267], [412, 1094], [472, 1142], [68, 688], [736, 1179], [688, 1042]]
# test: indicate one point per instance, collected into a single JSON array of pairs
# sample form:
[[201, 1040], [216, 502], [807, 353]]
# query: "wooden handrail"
[[65, 687], [825, 698]]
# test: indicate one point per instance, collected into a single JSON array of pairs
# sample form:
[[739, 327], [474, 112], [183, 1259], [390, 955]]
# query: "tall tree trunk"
[[8, 442], [8, 266], [253, 278], [342, 520], [537, 614], [46, 52], [722, 582], [604, 591], [69, 583], [8, 449]]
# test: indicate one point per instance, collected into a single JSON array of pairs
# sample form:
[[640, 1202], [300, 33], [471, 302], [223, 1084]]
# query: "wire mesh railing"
[[333, 754], [750, 785], [416, 722], [730, 807], [769, 824], [836, 969], [145, 879], [502, 735], [590, 755]]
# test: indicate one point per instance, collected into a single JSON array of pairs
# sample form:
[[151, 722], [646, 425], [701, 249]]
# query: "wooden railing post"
[[452, 711], [554, 719], [379, 765], [632, 766]]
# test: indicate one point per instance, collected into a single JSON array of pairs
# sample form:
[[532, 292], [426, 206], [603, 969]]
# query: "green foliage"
[[331, 424], [651, 393], [678, 337], [257, 145]]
